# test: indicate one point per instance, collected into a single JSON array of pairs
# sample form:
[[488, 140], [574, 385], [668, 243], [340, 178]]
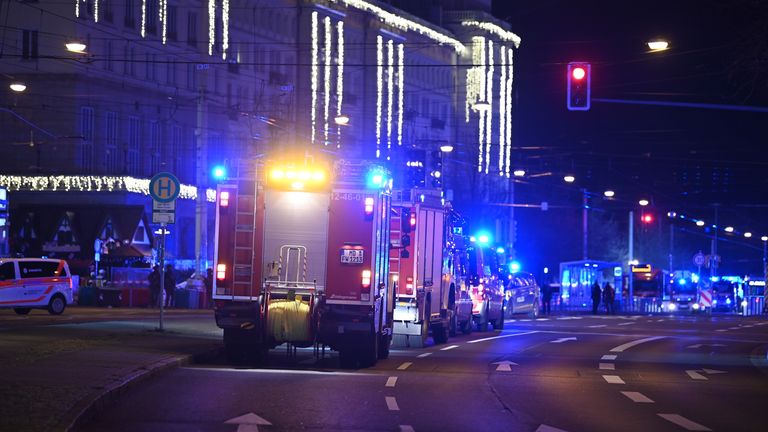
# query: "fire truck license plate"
[[351, 256]]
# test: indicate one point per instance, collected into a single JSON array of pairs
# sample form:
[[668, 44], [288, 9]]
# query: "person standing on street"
[[546, 297], [609, 295], [154, 287], [170, 285], [596, 293]]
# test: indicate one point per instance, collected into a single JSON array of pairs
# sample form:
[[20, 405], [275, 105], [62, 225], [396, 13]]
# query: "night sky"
[[682, 159]]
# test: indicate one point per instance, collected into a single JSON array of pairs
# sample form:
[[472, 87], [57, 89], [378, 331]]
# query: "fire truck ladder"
[[245, 222], [395, 234]]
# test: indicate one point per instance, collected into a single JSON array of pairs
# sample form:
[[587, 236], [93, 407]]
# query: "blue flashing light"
[[472, 239], [499, 250], [377, 178], [681, 281], [514, 267], [422, 197], [219, 172], [728, 300], [483, 238], [714, 278], [695, 278], [546, 270]]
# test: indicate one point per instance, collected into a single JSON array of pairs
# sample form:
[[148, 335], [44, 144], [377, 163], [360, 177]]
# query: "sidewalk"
[[53, 376]]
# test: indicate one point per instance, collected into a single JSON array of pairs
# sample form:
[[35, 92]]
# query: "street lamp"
[[75, 47], [658, 45], [700, 223], [519, 173], [481, 106], [643, 202], [764, 238], [747, 234], [569, 179], [729, 229], [609, 193], [342, 119], [18, 87], [446, 148]]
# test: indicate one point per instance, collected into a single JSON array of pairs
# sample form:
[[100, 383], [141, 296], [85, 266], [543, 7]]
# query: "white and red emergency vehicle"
[[302, 257], [429, 296]]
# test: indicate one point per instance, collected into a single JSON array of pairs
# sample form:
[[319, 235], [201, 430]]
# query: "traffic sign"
[[163, 212], [164, 187], [698, 259]]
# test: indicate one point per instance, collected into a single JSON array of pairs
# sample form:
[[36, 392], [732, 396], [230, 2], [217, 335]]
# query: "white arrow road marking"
[[628, 345], [406, 428], [505, 366], [392, 403], [637, 397], [598, 326], [545, 428], [502, 336], [609, 357], [561, 340], [248, 422], [449, 348], [424, 355], [391, 381], [613, 379], [694, 374], [404, 366], [684, 422], [607, 366]]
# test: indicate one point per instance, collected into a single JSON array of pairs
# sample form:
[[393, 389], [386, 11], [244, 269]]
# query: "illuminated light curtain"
[[475, 77], [489, 100], [314, 77], [95, 10], [77, 8], [480, 56], [211, 25], [502, 108], [327, 76], [143, 18], [339, 77], [379, 90], [164, 19], [224, 28], [400, 87], [510, 76], [390, 92]]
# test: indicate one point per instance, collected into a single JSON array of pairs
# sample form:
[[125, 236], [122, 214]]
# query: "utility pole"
[[713, 249], [201, 151], [585, 224], [631, 254]]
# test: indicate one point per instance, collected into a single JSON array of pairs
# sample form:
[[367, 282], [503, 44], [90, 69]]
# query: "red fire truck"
[[429, 297], [302, 257]]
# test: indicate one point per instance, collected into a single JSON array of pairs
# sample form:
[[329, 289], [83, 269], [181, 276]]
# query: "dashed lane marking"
[[696, 375], [424, 355], [684, 422], [542, 319], [637, 397], [598, 326], [525, 320], [502, 336], [628, 345], [626, 323], [609, 357], [449, 348], [391, 381], [721, 330], [392, 403], [510, 320], [404, 366], [607, 366], [406, 428], [613, 379]]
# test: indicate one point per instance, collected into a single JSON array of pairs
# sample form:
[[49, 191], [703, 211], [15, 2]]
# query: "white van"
[[27, 283]]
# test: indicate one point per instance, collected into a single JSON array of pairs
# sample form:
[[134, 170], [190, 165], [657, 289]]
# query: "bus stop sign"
[[164, 187]]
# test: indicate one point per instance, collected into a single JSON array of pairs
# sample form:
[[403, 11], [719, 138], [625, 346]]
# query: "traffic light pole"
[[631, 255]]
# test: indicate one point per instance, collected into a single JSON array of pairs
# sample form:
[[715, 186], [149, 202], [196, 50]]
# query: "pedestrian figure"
[[546, 298], [154, 287], [609, 295], [170, 285], [595, 297], [208, 280]]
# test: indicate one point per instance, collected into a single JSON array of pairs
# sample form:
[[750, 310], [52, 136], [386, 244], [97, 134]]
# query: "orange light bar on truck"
[[224, 199], [368, 206], [221, 271], [297, 178]]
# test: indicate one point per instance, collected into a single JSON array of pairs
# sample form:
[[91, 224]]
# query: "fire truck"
[[302, 257], [429, 297]]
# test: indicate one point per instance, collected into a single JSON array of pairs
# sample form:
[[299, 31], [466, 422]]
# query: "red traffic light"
[[578, 73], [647, 218], [579, 83]]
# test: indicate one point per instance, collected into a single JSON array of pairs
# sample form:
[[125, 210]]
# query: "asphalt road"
[[580, 373]]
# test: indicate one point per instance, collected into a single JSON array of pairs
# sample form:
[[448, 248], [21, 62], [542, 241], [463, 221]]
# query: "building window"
[[130, 15], [29, 44], [134, 145], [172, 26], [86, 144], [154, 147], [112, 156], [192, 29], [106, 7]]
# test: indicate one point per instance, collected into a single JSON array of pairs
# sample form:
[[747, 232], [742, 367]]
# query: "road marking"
[[721, 330], [449, 348], [504, 366], [568, 318], [424, 355], [733, 328], [561, 340], [392, 403], [613, 379], [404, 366], [510, 320], [701, 345], [406, 428], [526, 320], [607, 366], [391, 381], [248, 422], [542, 319], [628, 345], [684, 422], [626, 323], [503, 336], [696, 375], [609, 357], [545, 428], [637, 397], [598, 326], [713, 371]]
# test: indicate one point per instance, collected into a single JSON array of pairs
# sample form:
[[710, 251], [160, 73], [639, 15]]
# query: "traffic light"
[[437, 169], [415, 168], [579, 86], [647, 218]]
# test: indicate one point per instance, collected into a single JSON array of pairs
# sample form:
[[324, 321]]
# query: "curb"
[[87, 407]]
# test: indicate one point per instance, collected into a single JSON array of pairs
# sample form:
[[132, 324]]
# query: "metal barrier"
[[754, 306]]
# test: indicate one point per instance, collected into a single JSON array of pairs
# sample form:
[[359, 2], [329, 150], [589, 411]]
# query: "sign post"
[[164, 189]]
